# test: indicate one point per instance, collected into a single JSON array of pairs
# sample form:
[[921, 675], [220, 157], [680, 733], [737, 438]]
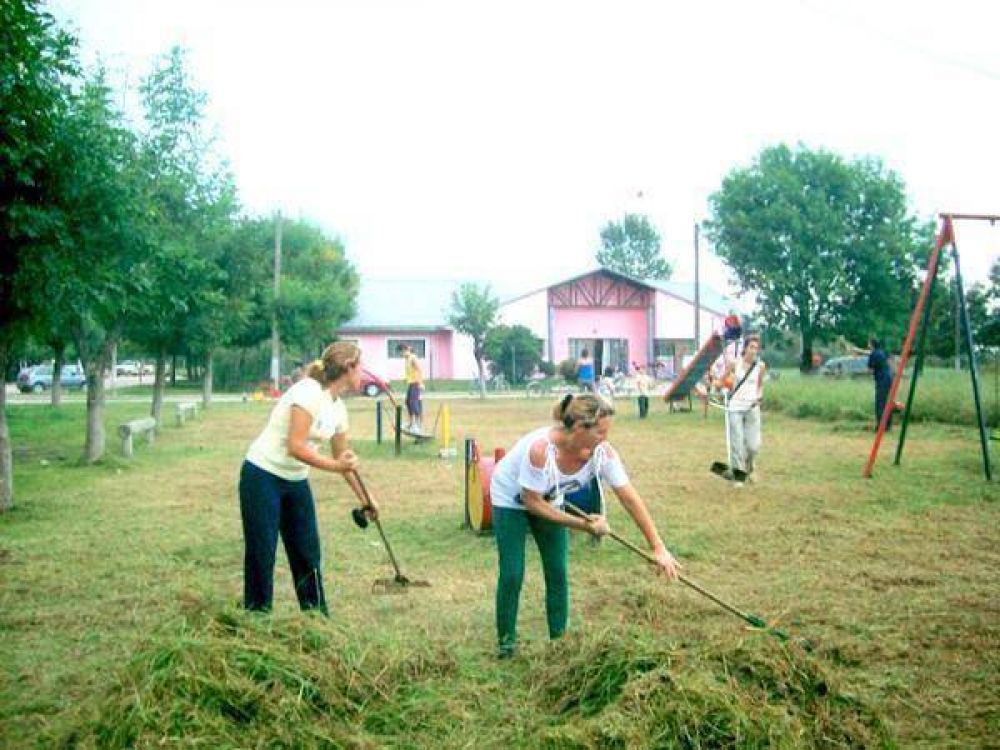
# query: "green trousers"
[[510, 529]]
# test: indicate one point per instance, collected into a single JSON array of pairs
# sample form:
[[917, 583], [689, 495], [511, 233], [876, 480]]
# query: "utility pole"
[[697, 293], [275, 339]]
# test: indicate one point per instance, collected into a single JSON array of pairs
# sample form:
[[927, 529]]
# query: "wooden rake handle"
[[757, 622]]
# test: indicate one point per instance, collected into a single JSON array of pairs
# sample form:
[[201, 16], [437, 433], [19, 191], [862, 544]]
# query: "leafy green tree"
[[632, 247], [318, 290], [191, 201], [826, 245], [37, 61], [513, 350], [99, 266], [474, 312]]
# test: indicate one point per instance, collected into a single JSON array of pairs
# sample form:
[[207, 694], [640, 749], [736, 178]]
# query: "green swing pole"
[[983, 438], [918, 367]]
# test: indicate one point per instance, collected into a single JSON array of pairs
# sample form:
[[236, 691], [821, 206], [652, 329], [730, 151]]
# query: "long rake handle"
[[385, 540], [754, 620]]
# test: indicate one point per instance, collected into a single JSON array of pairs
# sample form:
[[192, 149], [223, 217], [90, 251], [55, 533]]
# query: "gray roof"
[[406, 304], [423, 304]]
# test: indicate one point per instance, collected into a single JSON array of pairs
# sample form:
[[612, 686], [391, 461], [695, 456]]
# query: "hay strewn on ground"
[[119, 586]]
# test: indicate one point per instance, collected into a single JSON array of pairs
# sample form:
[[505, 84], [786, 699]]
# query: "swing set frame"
[[919, 319]]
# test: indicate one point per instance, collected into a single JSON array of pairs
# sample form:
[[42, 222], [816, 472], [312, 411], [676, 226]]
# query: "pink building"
[[414, 312], [619, 319]]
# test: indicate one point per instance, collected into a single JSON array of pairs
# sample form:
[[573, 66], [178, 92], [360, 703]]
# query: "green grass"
[[120, 583], [942, 396]]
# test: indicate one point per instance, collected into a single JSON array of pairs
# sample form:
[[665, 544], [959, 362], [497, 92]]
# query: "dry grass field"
[[119, 586]]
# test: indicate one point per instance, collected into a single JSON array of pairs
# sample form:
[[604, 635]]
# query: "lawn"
[[119, 585]]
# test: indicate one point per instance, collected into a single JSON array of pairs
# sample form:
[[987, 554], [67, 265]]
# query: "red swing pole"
[[945, 237]]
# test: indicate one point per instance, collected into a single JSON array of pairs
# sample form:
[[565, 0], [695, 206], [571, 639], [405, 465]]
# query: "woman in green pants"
[[528, 488]]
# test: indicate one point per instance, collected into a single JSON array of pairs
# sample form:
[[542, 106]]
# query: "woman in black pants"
[[275, 497]]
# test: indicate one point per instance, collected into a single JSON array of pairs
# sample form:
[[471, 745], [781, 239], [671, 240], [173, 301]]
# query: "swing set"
[[919, 319]]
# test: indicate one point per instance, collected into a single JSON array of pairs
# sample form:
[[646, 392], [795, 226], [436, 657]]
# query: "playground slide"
[[696, 369]]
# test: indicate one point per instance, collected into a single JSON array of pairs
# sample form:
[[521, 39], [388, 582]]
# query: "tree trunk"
[[481, 365], [173, 371], [96, 368], [159, 384], [57, 368], [206, 380], [6, 454], [806, 363]]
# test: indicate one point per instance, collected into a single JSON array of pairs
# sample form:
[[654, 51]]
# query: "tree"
[[99, 265], [632, 247], [513, 350], [36, 62], [474, 312], [826, 245], [191, 199]]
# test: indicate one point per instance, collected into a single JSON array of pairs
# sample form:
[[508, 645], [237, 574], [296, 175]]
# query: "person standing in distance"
[[414, 376], [275, 497]]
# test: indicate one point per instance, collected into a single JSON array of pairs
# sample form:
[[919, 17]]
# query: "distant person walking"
[[744, 381], [414, 388], [275, 497], [878, 363], [586, 375]]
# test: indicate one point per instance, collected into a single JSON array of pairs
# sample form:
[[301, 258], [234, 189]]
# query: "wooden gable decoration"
[[600, 289]]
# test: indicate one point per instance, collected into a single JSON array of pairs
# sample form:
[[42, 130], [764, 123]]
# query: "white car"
[[128, 367]]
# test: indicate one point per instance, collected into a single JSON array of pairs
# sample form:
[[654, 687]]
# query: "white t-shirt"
[[516, 472], [745, 397], [270, 450]]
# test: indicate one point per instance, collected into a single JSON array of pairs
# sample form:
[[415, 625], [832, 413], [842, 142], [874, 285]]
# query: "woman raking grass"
[[528, 488]]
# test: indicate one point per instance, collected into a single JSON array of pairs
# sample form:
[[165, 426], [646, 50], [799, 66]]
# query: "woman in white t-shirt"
[[275, 497], [528, 488]]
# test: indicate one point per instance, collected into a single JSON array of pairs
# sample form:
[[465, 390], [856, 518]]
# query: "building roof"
[[406, 304], [709, 299]]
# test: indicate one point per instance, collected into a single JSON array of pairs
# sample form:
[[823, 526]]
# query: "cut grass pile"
[[233, 679], [623, 689]]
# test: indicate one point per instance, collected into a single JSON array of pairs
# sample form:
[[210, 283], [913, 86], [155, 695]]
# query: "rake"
[[400, 582], [752, 619]]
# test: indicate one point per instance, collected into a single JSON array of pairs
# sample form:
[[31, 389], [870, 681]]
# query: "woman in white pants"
[[745, 379]]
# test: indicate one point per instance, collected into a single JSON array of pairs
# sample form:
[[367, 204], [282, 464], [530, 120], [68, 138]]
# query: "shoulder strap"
[[744, 378]]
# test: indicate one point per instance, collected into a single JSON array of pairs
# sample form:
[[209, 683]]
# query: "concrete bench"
[[185, 410], [140, 427]]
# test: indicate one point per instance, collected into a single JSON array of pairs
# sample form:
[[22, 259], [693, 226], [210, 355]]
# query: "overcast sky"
[[495, 139]]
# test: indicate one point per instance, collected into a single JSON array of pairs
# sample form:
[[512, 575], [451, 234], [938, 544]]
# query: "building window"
[[419, 347], [668, 348]]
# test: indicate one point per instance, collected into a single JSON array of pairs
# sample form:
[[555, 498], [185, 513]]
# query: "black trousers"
[[643, 406], [881, 396], [271, 506]]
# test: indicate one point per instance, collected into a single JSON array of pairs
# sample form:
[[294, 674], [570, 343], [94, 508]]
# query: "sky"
[[493, 140]]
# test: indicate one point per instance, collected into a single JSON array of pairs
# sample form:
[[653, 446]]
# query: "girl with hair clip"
[[275, 497], [528, 487]]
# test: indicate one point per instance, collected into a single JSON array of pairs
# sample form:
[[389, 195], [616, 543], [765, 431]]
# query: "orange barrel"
[[477, 488]]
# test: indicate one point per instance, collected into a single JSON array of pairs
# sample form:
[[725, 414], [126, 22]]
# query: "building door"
[[615, 355]]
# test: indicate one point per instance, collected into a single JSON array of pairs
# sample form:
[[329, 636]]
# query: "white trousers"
[[744, 438]]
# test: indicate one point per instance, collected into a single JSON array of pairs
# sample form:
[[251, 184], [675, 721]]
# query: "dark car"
[[846, 367], [38, 379]]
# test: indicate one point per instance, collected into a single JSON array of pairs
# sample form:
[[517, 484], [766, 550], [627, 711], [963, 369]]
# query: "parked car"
[[132, 367], [38, 379], [845, 367], [372, 385]]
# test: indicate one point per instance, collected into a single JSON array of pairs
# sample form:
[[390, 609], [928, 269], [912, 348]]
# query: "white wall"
[[530, 311], [675, 319]]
